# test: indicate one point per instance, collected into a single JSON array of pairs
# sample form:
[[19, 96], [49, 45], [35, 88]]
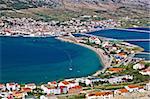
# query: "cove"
[[38, 60]]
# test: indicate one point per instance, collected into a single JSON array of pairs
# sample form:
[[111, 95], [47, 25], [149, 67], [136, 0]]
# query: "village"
[[28, 27]]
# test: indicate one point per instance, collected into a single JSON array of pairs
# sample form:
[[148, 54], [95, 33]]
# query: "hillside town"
[[69, 87], [29, 27]]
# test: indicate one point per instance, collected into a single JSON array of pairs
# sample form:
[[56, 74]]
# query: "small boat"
[[70, 68]]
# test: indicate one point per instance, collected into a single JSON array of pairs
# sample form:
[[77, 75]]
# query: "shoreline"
[[104, 59]]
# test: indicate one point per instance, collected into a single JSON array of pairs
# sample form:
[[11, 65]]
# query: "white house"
[[84, 80], [100, 95], [54, 83], [12, 86], [50, 89], [134, 88], [43, 97], [2, 87], [147, 87], [138, 66], [145, 71], [31, 86], [105, 44], [68, 84], [94, 40], [63, 89]]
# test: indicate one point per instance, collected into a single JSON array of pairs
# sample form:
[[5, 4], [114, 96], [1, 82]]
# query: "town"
[[29, 27]]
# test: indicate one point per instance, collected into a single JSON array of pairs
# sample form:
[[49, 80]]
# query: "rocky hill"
[[21, 4], [105, 8]]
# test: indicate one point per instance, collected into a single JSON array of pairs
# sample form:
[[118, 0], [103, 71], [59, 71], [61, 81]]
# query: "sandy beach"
[[104, 59]]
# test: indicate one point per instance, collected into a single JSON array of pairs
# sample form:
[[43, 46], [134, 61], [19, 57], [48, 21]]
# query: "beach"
[[104, 59]]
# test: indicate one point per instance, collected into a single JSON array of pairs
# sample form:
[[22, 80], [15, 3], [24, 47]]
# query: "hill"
[[65, 9]]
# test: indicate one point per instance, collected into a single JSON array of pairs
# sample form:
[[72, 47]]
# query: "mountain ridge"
[[53, 8]]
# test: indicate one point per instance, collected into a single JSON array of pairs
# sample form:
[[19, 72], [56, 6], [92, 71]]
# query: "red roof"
[[54, 82], [115, 69], [26, 89], [2, 85], [133, 86], [11, 84], [65, 82], [61, 87], [77, 87], [100, 93], [123, 90]]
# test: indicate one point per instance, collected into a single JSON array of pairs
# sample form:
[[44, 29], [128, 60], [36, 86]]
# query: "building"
[[94, 40], [75, 89], [68, 84], [12, 86], [18, 95], [115, 70], [147, 87], [105, 44], [145, 71], [87, 81], [25, 90], [123, 91], [138, 66], [119, 79], [54, 83], [134, 88], [100, 95], [50, 89], [63, 89], [31, 86], [2, 87]]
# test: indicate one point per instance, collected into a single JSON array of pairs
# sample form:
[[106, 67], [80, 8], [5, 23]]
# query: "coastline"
[[104, 59]]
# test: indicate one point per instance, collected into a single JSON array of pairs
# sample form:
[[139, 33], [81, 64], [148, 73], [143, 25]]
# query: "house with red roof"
[[54, 83], [50, 89], [68, 84], [100, 95], [25, 90], [123, 91], [134, 88], [18, 95], [30, 85], [75, 89], [94, 40], [145, 71], [115, 70]]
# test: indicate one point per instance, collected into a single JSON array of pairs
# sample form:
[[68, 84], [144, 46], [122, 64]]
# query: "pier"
[[132, 30], [138, 40], [148, 53]]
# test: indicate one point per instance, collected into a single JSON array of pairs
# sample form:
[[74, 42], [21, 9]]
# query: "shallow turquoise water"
[[44, 59]]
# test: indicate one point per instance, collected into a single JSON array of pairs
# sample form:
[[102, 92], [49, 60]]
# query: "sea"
[[129, 34], [39, 60], [43, 59]]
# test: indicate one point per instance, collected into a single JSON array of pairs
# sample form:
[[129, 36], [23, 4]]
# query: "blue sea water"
[[141, 28], [121, 34], [44, 59], [143, 44], [145, 56]]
